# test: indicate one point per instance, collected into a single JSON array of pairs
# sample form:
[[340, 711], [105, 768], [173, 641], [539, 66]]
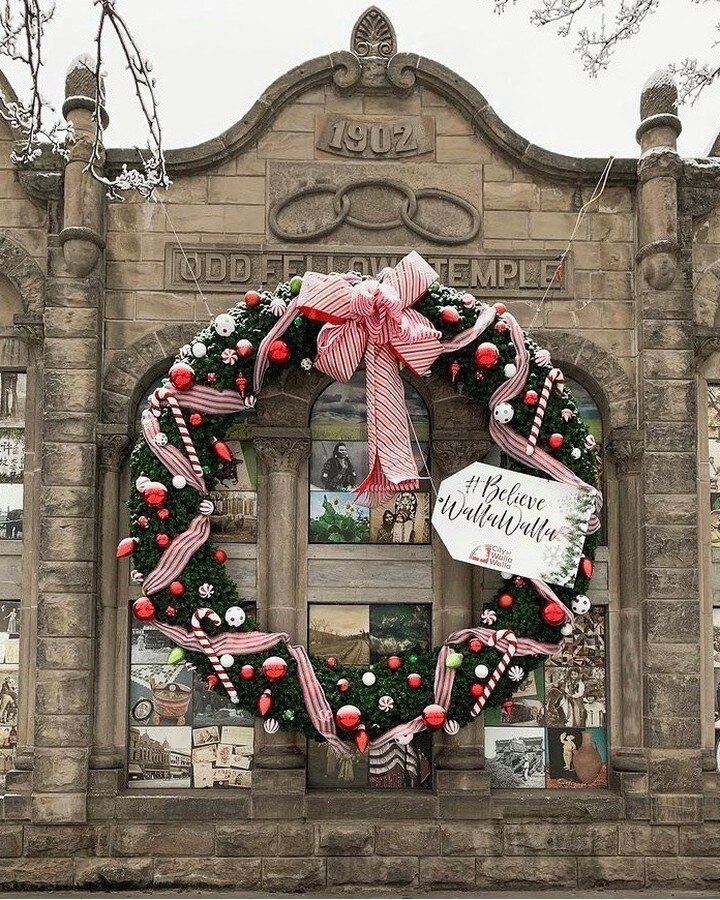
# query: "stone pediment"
[[373, 66]]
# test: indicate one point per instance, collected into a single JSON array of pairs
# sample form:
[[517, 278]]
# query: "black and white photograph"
[[341, 630], [160, 695], [515, 757], [235, 495], [338, 465], [575, 697], [325, 769], [148, 644], [716, 695], [216, 708], [398, 628], [10, 632], [159, 757], [12, 453], [526, 706], [396, 766], [716, 636], [403, 519], [577, 757], [8, 695]]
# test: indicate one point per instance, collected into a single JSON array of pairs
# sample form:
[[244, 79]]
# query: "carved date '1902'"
[[390, 139]]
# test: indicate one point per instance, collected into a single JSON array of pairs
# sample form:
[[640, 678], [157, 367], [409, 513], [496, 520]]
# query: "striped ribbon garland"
[[556, 379], [204, 641]]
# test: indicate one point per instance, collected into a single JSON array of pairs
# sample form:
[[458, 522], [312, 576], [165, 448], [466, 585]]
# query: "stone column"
[[463, 789], [278, 551], [66, 572], [624, 450], [114, 446], [671, 702]]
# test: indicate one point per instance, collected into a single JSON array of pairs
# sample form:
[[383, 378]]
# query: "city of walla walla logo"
[[492, 555]]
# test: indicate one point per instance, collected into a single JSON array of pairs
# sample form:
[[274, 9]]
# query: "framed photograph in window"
[[341, 630], [335, 518]]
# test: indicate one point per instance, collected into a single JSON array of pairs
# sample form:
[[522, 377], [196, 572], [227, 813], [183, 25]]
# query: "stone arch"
[[137, 366], [24, 274], [706, 297], [598, 371]]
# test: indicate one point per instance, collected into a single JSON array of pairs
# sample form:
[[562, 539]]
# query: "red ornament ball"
[[394, 663], [433, 716], [244, 348], [279, 353], [486, 355], [500, 308], [552, 614], [155, 494], [343, 685], [476, 690], [171, 611], [144, 609], [531, 398], [519, 581], [163, 514], [163, 540], [475, 645], [182, 377], [143, 521], [195, 419], [274, 668], [414, 681], [555, 441], [449, 315], [252, 298], [211, 377], [348, 717], [505, 600], [247, 673], [220, 556], [212, 681], [177, 588], [331, 662]]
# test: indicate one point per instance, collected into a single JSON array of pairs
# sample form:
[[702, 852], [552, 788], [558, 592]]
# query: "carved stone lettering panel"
[[381, 137], [397, 204]]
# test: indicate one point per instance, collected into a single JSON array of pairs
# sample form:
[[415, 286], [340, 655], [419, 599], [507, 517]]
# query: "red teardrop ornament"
[[362, 739], [222, 451], [587, 567], [126, 547], [265, 703], [241, 384]]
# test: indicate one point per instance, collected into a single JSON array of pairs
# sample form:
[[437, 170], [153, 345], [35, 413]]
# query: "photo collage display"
[[181, 733], [12, 454], [362, 635], [339, 464], [553, 733], [9, 659], [714, 460], [716, 682]]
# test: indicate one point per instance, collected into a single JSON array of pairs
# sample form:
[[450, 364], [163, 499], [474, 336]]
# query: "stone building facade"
[[347, 162]]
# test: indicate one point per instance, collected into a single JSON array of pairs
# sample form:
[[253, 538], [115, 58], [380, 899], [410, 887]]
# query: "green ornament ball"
[[454, 660], [295, 285]]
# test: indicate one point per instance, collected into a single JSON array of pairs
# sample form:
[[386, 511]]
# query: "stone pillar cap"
[[81, 87]]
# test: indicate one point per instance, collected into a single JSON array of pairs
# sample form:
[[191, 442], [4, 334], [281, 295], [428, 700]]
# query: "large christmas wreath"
[[402, 316]]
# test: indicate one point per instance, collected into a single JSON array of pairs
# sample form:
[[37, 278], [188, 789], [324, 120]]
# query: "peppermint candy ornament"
[[206, 590], [207, 507], [229, 356], [137, 577], [489, 617], [386, 703], [451, 727], [271, 726], [516, 673]]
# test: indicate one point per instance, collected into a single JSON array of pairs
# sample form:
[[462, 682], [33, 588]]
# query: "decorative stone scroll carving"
[[373, 35], [113, 447], [625, 450], [282, 454]]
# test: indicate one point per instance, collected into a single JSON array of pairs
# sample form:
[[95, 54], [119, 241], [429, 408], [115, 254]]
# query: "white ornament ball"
[[179, 482], [235, 616], [576, 453], [161, 439], [142, 482], [481, 671], [199, 350], [271, 726], [510, 370], [224, 324], [451, 727], [566, 630], [503, 413], [580, 605], [368, 679], [227, 661], [207, 507]]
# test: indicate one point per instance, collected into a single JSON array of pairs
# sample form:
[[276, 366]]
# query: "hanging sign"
[[512, 522]]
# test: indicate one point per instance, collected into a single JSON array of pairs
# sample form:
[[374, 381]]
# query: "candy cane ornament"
[[204, 641], [509, 636], [185, 435], [555, 378]]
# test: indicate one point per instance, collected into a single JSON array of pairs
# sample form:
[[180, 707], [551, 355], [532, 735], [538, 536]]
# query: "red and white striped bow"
[[373, 320]]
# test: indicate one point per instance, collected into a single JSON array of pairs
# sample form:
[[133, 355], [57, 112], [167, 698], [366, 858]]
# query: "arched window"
[[553, 733], [180, 734], [355, 622]]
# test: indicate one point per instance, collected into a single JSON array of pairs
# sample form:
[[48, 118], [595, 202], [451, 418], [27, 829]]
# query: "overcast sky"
[[214, 58]]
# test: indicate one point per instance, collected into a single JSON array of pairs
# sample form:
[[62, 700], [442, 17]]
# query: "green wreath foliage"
[[523, 617]]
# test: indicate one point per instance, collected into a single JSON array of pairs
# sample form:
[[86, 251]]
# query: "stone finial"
[[659, 95], [80, 77], [373, 35]]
